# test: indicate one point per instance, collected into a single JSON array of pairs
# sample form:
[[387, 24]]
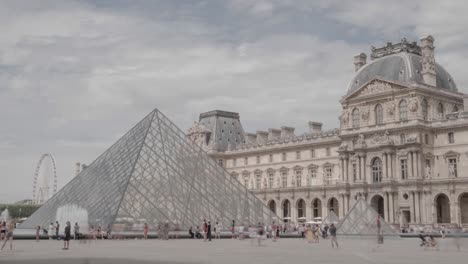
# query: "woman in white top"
[[217, 230]]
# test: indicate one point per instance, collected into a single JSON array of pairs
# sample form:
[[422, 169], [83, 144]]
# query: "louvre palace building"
[[402, 145]]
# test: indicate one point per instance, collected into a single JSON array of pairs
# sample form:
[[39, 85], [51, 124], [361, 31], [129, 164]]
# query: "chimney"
[[315, 127], [83, 167], [287, 131], [77, 168], [359, 61], [428, 61], [273, 133], [251, 138], [262, 137]]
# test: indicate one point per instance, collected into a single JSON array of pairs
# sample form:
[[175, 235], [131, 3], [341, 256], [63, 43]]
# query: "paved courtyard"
[[234, 251]]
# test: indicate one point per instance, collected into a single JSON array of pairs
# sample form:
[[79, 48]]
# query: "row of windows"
[[403, 110], [284, 157]]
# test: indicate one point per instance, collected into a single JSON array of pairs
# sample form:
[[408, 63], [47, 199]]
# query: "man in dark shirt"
[[57, 228], [333, 235], [208, 233], [67, 236]]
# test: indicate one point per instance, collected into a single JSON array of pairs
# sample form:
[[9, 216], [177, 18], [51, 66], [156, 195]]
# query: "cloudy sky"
[[76, 75]]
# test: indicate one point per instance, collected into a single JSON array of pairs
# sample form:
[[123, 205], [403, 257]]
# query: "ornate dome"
[[403, 67]]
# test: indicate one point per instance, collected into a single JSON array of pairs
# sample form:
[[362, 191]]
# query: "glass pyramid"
[[362, 220], [331, 218], [154, 175]]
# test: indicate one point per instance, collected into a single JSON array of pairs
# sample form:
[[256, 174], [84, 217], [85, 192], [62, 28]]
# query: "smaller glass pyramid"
[[362, 219]]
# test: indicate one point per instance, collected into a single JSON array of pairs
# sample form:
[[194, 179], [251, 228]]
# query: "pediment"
[[451, 153], [373, 87]]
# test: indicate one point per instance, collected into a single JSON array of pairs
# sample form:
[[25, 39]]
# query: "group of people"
[[206, 230]]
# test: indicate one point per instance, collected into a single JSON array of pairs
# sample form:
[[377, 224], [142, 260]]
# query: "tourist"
[[51, 230], [192, 235], [217, 230], [99, 232], [57, 229], [333, 235], [109, 232], [456, 237], [197, 233], [145, 231], [442, 231], [76, 232], [301, 230], [8, 234], [260, 232], [91, 232], [67, 236], [205, 229], [38, 229], [273, 231], [2, 230], [277, 232], [309, 234], [233, 229], [208, 232]]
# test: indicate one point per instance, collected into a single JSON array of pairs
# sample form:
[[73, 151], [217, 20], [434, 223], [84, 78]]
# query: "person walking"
[[76, 232], [109, 232], [273, 231], [51, 230], [208, 232], [2, 230], [9, 235], [38, 229], [145, 231], [260, 232], [205, 229], [218, 230], [309, 234], [67, 236], [57, 229], [333, 236], [233, 228]]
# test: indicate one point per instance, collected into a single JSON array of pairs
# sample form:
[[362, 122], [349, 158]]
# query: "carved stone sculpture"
[[365, 113], [413, 104], [390, 108], [361, 142], [376, 87], [345, 117], [451, 170], [343, 146]]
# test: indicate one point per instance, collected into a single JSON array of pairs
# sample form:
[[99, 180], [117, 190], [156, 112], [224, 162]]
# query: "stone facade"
[[402, 145]]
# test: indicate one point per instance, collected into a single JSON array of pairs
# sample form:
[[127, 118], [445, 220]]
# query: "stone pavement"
[[234, 251]]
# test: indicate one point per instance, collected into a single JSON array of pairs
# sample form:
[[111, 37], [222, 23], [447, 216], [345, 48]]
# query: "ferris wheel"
[[45, 179]]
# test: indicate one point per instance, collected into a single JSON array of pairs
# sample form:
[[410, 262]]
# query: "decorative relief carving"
[[345, 117], [412, 139], [365, 113], [376, 87], [390, 107], [198, 134], [343, 146], [361, 142], [413, 104], [384, 139]]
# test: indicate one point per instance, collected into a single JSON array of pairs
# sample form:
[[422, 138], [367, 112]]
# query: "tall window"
[[301, 209], [403, 110], [313, 173], [246, 161], [270, 179], [426, 139], [328, 152], [246, 182], [377, 170], [298, 178], [424, 109], [440, 110], [378, 114], [354, 171], [355, 117], [270, 158], [317, 208], [404, 169], [312, 153], [451, 138], [220, 162], [258, 159], [453, 167], [298, 155], [234, 162], [328, 175], [258, 181], [402, 138], [284, 179], [283, 156]]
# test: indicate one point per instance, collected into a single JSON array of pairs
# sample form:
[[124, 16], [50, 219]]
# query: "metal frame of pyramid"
[[154, 174], [362, 220], [331, 218]]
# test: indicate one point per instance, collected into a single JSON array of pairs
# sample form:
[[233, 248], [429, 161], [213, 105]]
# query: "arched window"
[[378, 114], [440, 110], [356, 117], [377, 170], [403, 110], [316, 208], [301, 209], [424, 109]]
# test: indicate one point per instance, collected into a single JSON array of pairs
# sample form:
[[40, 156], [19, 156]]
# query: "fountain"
[[74, 214], [5, 215]]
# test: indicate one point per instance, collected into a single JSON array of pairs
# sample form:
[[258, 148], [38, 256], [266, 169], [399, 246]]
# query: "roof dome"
[[403, 67]]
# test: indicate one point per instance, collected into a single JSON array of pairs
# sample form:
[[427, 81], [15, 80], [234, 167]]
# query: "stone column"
[[418, 211], [347, 169], [456, 217], [412, 208], [453, 213], [385, 168], [342, 205], [364, 176], [410, 163], [392, 208], [386, 214], [359, 177], [342, 169], [423, 207], [417, 163]]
